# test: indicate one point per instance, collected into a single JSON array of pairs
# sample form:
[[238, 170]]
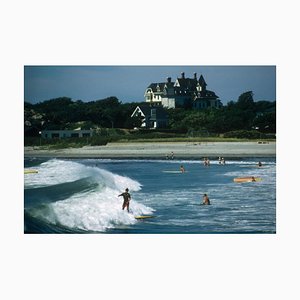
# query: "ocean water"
[[81, 196]]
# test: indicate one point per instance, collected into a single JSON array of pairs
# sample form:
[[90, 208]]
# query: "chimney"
[[195, 76], [182, 75], [169, 79]]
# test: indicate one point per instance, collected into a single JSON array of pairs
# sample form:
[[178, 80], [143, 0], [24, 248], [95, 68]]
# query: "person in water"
[[205, 200], [127, 198], [206, 162], [259, 164], [253, 179], [182, 169]]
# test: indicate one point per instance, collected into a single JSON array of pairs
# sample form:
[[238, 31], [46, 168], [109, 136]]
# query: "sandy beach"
[[157, 150]]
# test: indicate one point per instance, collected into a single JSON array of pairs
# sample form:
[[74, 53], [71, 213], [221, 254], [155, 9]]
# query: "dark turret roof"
[[202, 81]]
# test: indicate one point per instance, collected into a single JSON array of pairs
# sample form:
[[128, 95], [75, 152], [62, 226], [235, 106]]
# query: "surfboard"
[[252, 166], [174, 172], [144, 217], [30, 171], [246, 179]]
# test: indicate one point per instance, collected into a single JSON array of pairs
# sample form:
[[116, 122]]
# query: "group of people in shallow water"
[[206, 161]]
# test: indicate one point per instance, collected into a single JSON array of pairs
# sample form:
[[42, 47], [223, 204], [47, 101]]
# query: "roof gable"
[[145, 110], [186, 84], [137, 110], [157, 87]]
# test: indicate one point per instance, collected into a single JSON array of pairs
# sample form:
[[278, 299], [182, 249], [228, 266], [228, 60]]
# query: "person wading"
[[205, 200]]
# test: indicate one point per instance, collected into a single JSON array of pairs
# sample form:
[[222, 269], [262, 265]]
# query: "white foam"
[[55, 171], [96, 210]]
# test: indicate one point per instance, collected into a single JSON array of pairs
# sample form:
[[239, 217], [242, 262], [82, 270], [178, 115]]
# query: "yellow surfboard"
[[30, 171], [144, 217], [247, 179]]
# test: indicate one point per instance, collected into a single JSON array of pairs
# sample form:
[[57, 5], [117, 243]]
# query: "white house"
[[184, 92]]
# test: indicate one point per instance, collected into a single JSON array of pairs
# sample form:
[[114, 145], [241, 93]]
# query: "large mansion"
[[184, 93]]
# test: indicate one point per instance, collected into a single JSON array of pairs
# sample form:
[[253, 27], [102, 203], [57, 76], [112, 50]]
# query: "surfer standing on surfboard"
[[127, 198]]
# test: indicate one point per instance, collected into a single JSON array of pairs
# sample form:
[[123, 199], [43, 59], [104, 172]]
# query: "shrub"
[[245, 134], [98, 140]]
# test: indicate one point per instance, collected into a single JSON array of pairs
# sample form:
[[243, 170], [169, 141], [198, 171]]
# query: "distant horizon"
[[128, 83]]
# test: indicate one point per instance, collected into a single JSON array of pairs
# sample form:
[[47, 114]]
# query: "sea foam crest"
[[55, 171]]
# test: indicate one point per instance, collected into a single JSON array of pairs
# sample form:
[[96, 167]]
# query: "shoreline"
[[160, 150]]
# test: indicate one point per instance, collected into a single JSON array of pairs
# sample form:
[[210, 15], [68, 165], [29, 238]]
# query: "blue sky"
[[128, 83]]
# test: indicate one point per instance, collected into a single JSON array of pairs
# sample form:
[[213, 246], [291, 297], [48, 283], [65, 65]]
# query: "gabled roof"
[[206, 95], [153, 86], [184, 84], [159, 110], [186, 87], [187, 83], [169, 84]]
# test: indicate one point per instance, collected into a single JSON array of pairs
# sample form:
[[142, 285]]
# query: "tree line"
[[244, 114], [64, 113]]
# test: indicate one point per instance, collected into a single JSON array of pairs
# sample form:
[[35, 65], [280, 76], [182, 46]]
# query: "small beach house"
[[60, 134], [152, 116]]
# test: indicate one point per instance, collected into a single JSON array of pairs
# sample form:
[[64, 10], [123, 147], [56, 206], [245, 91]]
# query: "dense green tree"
[[61, 113], [245, 101], [265, 122]]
